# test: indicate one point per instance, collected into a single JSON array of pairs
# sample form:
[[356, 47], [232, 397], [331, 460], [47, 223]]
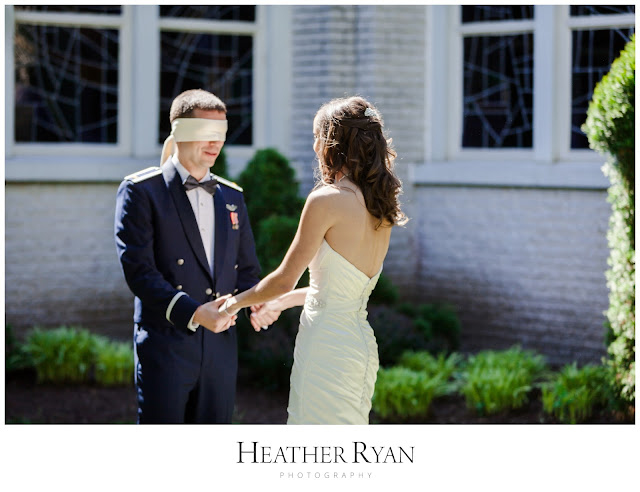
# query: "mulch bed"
[[29, 403]]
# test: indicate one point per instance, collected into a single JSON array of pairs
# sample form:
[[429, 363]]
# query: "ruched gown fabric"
[[336, 356]]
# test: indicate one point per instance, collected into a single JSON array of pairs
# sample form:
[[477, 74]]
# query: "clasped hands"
[[213, 317]]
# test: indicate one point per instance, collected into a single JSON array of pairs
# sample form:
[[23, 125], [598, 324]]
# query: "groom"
[[184, 242]]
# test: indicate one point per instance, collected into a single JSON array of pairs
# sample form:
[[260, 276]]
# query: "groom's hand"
[[207, 315], [263, 316]]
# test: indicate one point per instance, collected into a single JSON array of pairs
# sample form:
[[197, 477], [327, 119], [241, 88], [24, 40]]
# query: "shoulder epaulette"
[[228, 183], [144, 174]]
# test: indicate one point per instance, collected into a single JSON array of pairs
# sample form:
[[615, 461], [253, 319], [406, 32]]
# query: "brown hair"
[[184, 104], [353, 142]]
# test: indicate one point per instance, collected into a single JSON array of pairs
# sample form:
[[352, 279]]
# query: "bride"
[[343, 238]]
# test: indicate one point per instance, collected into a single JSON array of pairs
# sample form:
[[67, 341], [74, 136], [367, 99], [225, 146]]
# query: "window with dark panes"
[[219, 63], [66, 78], [593, 51], [498, 79]]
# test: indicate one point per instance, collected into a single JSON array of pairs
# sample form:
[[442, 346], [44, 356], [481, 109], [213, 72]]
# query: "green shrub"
[[273, 238], [270, 187], [385, 292], [610, 127], [395, 333], [494, 381], [438, 323], [75, 355], [573, 393], [402, 392], [265, 358], [15, 357], [114, 363], [425, 362], [62, 355]]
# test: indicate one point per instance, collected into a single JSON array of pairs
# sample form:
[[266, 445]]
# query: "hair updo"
[[351, 139]]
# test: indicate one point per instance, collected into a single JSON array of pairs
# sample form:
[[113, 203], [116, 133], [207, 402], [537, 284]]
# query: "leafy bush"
[[442, 365], [265, 358], [270, 187], [15, 357], [62, 355], [402, 392], [495, 381], [395, 334], [438, 323], [273, 237], [610, 127], [114, 363], [385, 292], [573, 393], [74, 355]]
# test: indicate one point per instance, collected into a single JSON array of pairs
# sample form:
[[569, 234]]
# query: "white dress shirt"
[[203, 209]]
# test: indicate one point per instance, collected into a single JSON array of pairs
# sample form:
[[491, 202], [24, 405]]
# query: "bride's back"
[[354, 235]]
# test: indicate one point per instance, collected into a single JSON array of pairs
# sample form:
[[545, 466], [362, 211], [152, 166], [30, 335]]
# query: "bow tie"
[[209, 186]]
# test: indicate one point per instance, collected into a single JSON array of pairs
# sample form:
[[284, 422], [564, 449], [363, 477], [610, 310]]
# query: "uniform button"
[[217, 294], [179, 287], [180, 261], [235, 266], [208, 292]]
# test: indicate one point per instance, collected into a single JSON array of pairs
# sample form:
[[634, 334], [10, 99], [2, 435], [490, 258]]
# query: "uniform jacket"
[[161, 251]]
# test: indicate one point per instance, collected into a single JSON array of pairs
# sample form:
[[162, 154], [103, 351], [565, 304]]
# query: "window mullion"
[[9, 81], [544, 101], [145, 79]]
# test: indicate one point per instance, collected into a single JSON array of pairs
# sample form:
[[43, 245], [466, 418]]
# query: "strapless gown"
[[335, 360]]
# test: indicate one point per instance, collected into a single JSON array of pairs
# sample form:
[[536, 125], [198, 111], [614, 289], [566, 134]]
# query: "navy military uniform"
[[181, 375]]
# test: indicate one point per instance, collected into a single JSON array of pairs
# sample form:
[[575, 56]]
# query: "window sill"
[[510, 174], [96, 169]]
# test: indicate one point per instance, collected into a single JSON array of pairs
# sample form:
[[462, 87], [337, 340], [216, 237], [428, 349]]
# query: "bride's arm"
[[290, 299], [264, 315], [317, 217]]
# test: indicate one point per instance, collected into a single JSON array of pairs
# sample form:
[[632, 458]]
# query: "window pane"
[[478, 13], [602, 9], [219, 12], [221, 64], [593, 53], [498, 91], [84, 9], [66, 84]]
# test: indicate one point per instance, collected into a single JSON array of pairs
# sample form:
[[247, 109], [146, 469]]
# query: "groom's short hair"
[[185, 103]]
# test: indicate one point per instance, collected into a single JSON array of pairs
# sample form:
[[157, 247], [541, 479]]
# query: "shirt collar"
[[182, 171]]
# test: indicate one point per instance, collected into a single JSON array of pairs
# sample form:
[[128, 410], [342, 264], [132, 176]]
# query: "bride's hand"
[[264, 315]]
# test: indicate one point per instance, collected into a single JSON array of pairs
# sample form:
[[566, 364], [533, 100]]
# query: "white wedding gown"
[[336, 356]]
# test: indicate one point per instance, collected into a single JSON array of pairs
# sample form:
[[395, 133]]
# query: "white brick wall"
[[520, 265], [61, 265]]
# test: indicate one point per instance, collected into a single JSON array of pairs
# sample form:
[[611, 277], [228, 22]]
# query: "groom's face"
[[201, 155]]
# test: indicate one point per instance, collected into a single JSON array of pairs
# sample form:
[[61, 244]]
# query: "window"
[[498, 76], [195, 56], [512, 83], [594, 46], [78, 87], [66, 74]]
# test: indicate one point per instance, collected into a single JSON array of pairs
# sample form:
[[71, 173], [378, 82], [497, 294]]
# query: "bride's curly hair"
[[351, 139]]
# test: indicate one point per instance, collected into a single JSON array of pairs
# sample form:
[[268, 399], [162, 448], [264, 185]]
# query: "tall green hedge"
[[610, 127]]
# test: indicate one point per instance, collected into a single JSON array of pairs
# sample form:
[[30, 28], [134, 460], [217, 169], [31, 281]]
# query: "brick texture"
[[61, 265], [521, 266]]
